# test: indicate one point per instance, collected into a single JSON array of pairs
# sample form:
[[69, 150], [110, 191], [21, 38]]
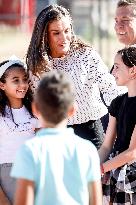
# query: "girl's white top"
[[12, 135], [90, 77]]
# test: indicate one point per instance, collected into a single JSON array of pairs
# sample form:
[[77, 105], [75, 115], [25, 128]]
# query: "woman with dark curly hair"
[[55, 46]]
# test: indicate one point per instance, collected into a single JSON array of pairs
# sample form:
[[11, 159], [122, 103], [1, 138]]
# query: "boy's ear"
[[72, 110], [35, 109], [2, 87]]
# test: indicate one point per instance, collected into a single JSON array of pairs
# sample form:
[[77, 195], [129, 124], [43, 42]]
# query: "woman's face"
[[59, 37]]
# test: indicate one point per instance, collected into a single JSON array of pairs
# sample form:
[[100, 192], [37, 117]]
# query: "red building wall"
[[16, 12]]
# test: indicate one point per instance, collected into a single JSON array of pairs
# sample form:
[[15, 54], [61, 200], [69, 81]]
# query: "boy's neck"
[[62, 124]]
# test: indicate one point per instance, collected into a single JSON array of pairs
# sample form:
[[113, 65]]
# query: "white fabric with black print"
[[90, 76]]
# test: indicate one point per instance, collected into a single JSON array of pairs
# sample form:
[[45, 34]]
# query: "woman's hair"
[[38, 51], [128, 56], [27, 100]]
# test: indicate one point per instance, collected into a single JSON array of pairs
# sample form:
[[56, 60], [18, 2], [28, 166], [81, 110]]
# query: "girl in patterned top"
[[119, 180], [54, 46], [17, 121]]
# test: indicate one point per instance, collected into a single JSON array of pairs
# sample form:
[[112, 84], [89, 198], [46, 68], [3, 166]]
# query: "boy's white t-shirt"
[[14, 133]]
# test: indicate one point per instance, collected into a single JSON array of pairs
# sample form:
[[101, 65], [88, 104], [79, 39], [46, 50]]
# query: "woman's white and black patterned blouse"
[[90, 77]]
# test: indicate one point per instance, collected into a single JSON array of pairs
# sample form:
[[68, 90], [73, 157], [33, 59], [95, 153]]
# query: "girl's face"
[[16, 84], [121, 71], [59, 37]]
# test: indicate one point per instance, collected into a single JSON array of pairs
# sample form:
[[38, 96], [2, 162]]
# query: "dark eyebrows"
[[16, 77], [124, 17], [57, 30], [54, 30]]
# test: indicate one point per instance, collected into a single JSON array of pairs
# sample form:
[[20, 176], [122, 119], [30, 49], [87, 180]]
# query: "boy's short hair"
[[54, 96]]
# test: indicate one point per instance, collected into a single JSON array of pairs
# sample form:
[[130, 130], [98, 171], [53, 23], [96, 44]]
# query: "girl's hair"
[[38, 51], [111, 69], [27, 100], [128, 56]]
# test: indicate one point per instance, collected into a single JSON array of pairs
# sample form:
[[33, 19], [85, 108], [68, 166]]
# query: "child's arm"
[[3, 199], [24, 192], [109, 139], [125, 157], [95, 193]]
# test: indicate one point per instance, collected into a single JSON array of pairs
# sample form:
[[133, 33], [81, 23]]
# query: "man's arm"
[[3, 199], [95, 193], [24, 192]]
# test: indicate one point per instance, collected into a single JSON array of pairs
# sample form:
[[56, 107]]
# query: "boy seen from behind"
[[56, 167]]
